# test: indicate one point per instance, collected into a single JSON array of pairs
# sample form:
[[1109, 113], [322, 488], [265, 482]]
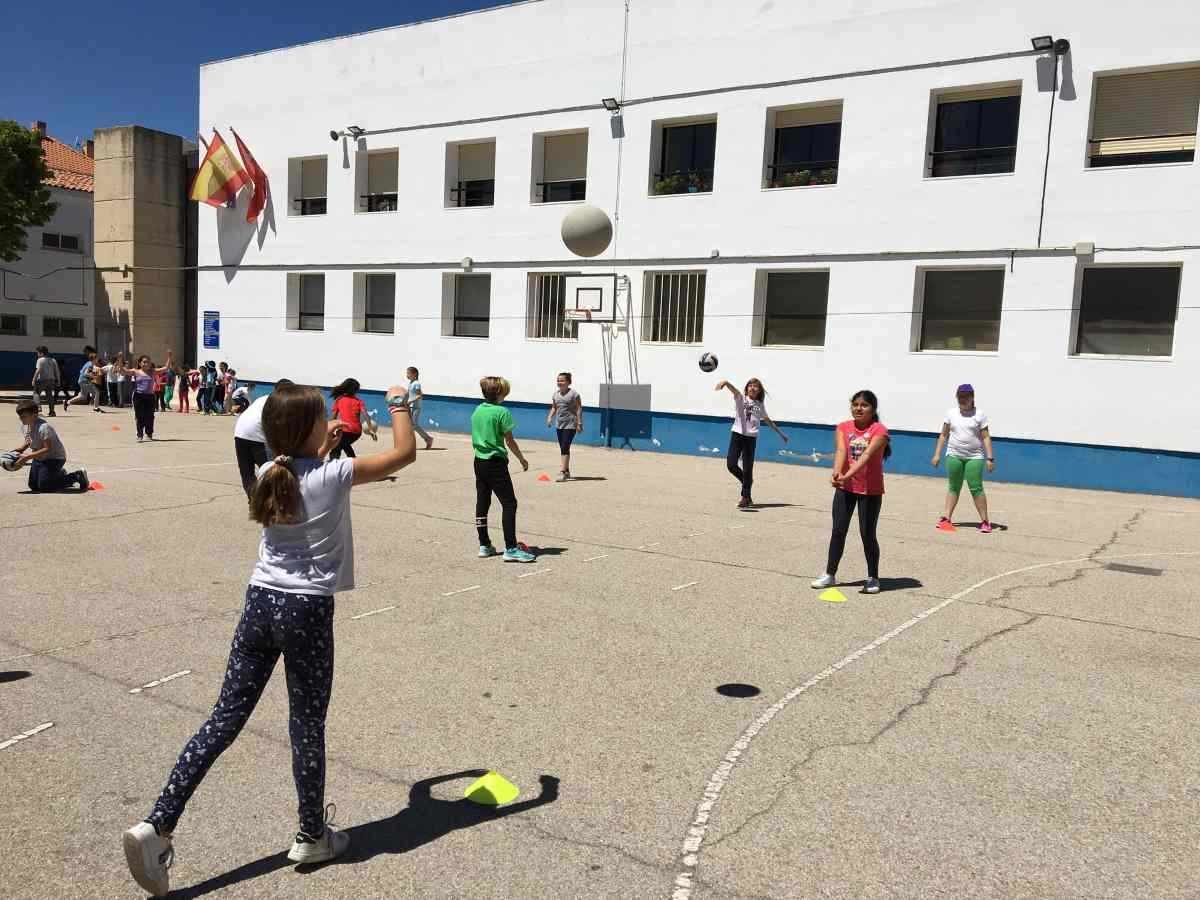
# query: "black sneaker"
[[82, 477]]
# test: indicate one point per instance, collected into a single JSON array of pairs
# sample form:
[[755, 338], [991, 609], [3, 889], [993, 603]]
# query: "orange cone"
[[116, 428], [543, 477]]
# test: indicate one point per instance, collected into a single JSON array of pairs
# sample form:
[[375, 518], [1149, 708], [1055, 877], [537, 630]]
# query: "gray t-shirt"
[[564, 409], [43, 435], [46, 370], [316, 554]]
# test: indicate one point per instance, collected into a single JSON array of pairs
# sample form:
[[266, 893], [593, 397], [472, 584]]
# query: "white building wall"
[[69, 294], [555, 54]]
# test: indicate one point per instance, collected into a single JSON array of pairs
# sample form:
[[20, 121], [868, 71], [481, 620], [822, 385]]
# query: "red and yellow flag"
[[220, 175]]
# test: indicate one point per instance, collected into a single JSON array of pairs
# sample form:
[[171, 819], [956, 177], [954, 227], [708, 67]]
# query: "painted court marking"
[[4, 745], [473, 587], [651, 544], [594, 558], [154, 684], [535, 573], [373, 612], [698, 829], [680, 587]]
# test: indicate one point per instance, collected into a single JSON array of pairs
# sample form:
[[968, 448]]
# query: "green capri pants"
[[971, 469]]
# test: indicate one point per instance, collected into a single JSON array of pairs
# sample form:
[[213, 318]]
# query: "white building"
[[888, 196], [51, 298]]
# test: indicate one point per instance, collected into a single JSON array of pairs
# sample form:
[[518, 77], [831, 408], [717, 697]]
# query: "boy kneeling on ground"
[[44, 453]]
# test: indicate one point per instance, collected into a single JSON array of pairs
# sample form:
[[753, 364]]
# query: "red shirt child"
[[349, 410], [869, 479]]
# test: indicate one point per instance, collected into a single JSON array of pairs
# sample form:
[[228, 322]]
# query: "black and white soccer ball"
[[708, 362], [10, 461]]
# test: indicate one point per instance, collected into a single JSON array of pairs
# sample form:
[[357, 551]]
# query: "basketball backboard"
[[590, 298]]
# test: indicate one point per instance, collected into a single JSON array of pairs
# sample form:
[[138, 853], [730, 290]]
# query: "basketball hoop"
[[577, 315]]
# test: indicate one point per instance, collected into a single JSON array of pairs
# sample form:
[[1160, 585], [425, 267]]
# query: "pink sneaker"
[[985, 527]]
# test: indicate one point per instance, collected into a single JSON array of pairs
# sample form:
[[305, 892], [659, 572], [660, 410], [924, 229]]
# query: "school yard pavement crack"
[[923, 698]]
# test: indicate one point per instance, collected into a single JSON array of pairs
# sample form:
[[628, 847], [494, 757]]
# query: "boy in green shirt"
[[491, 433]]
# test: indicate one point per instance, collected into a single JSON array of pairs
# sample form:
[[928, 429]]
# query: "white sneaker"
[[149, 856], [823, 582], [872, 586], [330, 845]]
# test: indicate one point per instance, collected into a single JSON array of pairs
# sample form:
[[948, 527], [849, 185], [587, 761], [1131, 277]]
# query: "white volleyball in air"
[[587, 231]]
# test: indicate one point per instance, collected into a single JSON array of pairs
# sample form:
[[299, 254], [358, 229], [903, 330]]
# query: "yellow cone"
[[833, 595], [493, 789]]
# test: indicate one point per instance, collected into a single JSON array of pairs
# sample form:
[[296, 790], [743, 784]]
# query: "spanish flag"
[[220, 175]]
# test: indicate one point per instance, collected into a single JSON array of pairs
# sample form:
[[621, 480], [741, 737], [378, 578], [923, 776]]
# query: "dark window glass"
[[1128, 311], [68, 242], [480, 192], [50, 240], [65, 328], [559, 191], [312, 206], [380, 312], [312, 303], [976, 137], [806, 154], [472, 305], [12, 325], [795, 308], [686, 164], [381, 202], [961, 309]]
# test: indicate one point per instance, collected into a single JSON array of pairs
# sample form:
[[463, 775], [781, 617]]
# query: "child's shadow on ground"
[[546, 551], [423, 821], [995, 525], [891, 584]]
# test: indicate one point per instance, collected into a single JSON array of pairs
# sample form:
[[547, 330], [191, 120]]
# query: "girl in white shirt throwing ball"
[[968, 444], [748, 411]]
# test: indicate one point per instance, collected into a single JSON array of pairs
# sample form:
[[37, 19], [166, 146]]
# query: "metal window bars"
[[676, 308], [545, 318], [683, 181], [310, 206], [809, 171], [378, 202], [479, 192], [973, 160], [563, 189]]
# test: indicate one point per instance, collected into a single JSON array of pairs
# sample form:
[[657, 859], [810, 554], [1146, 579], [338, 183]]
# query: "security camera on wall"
[[334, 135]]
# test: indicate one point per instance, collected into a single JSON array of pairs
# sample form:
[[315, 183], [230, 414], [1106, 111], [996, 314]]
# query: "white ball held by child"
[[10, 461]]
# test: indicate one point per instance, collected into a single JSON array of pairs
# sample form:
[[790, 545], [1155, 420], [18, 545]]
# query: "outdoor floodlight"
[[355, 132], [611, 104], [1043, 43], [334, 135]]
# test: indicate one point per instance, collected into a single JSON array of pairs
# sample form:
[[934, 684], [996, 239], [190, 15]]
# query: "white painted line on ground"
[[373, 612], [154, 684], [4, 745], [532, 574], [698, 830], [651, 544], [594, 558], [696, 534], [473, 587], [159, 468], [731, 527], [688, 585]]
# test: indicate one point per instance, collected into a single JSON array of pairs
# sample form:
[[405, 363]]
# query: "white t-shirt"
[[315, 555], [249, 424], [966, 438], [747, 414], [111, 374]]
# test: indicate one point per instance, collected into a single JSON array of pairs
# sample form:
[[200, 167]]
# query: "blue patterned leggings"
[[300, 626]]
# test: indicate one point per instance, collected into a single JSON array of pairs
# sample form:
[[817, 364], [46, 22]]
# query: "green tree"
[[24, 198]]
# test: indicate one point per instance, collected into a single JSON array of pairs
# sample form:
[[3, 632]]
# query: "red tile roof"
[[68, 167]]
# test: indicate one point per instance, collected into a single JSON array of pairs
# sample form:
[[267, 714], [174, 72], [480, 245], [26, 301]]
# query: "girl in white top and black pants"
[[748, 411]]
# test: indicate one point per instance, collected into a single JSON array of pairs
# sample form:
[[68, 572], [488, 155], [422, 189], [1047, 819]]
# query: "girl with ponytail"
[[306, 555]]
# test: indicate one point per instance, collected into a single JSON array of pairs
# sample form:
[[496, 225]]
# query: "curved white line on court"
[[698, 830]]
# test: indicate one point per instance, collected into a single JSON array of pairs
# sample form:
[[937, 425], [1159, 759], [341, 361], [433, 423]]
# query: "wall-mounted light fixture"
[[352, 131], [1042, 43], [611, 104]]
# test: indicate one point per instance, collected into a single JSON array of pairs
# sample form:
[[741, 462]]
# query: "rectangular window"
[[805, 147], [685, 164], [673, 307], [308, 186], [794, 309], [563, 175], [52, 241], [379, 316], [547, 300], [1128, 311], [52, 326], [472, 305], [975, 133], [960, 309], [472, 171], [312, 302], [11, 324], [378, 192], [1147, 117]]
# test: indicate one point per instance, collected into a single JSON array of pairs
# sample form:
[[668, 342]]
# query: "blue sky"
[[84, 65]]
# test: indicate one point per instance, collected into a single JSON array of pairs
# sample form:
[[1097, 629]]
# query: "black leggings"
[[250, 454], [491, 477], [143, 413], [346, 445], [868, 518], [742, 447]]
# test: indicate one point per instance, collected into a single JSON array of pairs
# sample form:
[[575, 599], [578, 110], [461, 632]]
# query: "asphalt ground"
[[1011, 717]]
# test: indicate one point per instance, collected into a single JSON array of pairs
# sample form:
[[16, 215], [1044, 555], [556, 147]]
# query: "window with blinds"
[[379, 307], [673, 307], [311, 315], [1128, 310], [547, 300], [472, 305], [1145, 117], [307, 186]]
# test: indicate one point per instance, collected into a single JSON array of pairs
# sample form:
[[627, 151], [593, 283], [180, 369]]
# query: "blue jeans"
[[47, 475], [204, 399], [300, 626]]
